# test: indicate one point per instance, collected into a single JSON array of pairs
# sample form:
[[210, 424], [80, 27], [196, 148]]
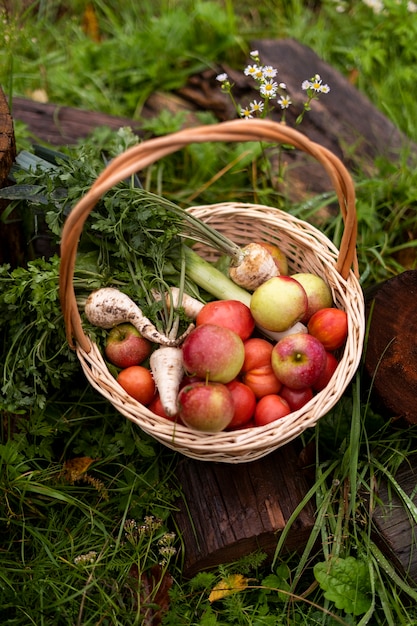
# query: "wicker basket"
[[307, 250]]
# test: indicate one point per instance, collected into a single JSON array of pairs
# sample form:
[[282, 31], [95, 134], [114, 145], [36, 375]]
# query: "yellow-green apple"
[[318, 293], [207, 407], [278, 303], [125, 346], [278, 255], [270, 408], [330, 326], [213, 353], [298, 360]]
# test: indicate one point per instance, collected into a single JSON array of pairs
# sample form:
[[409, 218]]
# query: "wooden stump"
[[229, 511], [395, 528], [7, 142], [12, 247], [391, 353]]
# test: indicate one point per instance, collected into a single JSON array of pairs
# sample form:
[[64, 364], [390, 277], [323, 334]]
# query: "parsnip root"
[[108, 307], [167, 370], [191, 305]]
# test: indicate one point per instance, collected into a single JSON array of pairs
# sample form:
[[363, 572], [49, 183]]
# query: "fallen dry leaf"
[[232, 584], [75, 468]]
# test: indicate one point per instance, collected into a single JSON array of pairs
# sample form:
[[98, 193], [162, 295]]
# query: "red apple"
[[138, 382], [257, 353], [244, 402], [279, 257], [125, 346], [213, 353], [298, 360], [330, 368], [270, 408], [318, 293], [330, 326], [208, 407], [262, 380], [278, 303], [231, 314], [296, 398]]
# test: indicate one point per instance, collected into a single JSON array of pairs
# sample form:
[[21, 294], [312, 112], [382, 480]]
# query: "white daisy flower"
[[222, 78], [256, 107], [269, 88], [316, 83], [245, 113], [284, 101], [251, 70], [269, 72]]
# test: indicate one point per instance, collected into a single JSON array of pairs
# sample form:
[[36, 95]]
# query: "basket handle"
[[144, 154]]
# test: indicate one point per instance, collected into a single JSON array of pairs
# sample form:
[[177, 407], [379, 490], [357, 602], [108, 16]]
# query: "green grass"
[[49, 517]]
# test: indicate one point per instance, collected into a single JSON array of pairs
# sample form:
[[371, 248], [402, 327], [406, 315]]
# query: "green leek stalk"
[[209, 278]]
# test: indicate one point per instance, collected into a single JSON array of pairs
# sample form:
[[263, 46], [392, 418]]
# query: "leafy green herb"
[[36, 356], [345, 582]]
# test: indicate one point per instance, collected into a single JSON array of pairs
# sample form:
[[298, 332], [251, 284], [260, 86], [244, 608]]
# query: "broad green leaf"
[[346, 583]]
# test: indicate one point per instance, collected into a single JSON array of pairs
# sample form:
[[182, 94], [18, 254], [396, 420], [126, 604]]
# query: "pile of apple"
[[244, 366]]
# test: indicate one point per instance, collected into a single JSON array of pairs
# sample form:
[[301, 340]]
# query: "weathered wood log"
[[62, 125], [229, 511], [395, 528], [12, 246], [391, 353]]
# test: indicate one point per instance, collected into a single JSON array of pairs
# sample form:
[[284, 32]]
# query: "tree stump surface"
[[229, 511], [391, 352], [395, 526], [7, 141], [11, 241]]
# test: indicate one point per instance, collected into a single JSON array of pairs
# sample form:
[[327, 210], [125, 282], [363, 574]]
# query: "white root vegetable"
[[298, 327], [108, 307], [167, 370], [255, 267], [191, 305]]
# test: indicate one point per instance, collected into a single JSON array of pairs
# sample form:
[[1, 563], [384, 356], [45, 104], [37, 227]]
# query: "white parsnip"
[[191, 305], [108, 307], [167, 370]]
